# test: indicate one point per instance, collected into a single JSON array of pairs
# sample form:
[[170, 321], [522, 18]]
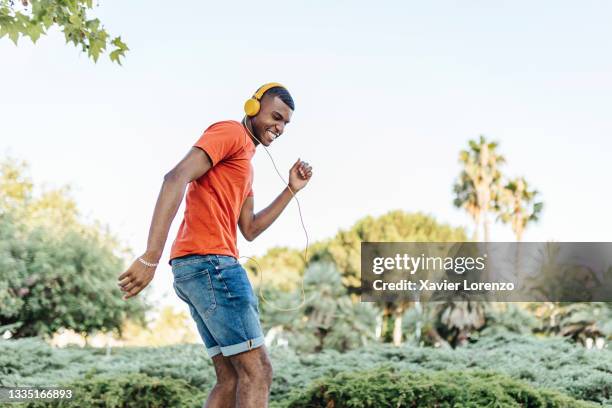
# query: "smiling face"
[[271, 120]]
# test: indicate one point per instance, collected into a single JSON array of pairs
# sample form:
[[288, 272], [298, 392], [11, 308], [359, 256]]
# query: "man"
[[217, 174]]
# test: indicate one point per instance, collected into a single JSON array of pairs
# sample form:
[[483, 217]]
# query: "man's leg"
[[254, 378], [223, 394]]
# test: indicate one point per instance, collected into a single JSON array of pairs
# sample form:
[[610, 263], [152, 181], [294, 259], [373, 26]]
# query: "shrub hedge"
[[551, 363], [129, 390], [383, 387]]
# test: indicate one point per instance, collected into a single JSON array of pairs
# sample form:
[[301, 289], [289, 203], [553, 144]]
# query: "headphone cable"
[[260, 270]]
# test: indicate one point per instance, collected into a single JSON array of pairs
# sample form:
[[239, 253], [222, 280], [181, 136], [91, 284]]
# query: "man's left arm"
[[251, 224]]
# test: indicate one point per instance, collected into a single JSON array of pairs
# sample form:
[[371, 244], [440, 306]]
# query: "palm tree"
[[476, 190], [516, 205], [478, 185]]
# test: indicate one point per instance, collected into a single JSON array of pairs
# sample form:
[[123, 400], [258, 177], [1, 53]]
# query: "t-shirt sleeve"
[[221, 140], [250, 194]]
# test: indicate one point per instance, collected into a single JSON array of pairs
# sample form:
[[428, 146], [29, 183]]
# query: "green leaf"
[[70, 16], [96, 45], [34, 31], [47, 21], [119, 52], [115, 56], [13, 33], [74, 19], [120, 44]]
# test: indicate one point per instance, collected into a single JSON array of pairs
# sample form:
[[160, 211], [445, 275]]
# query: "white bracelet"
[[149, 264]]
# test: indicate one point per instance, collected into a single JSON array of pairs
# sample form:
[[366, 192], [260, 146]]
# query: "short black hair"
[[283, 94]]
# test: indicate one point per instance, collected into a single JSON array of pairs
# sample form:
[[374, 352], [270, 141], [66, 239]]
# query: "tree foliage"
[[479, 182], [344, 249], [583, 322], [279, 267], [330, 319], [516, 205], [33, 18], [482, 188], [55, 271]]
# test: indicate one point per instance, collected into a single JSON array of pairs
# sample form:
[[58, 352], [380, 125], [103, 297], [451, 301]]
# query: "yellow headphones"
[[252, 105]]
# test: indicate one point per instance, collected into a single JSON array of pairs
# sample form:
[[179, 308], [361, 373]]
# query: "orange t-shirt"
[[214, 201]]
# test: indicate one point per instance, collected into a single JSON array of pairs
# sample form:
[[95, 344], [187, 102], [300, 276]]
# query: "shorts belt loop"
[[250, 343]]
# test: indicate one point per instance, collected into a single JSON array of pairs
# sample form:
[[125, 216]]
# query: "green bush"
[[329, 320], [129, 391], [549, 363], [543, 363], [53, 278], [32, 362], [383, 387]]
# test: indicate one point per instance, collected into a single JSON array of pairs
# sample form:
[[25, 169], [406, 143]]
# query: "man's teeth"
[[272, 134]]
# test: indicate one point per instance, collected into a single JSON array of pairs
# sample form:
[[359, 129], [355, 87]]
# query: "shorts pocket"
[[235, 282], [196, 288], [189, 269], [224, 261], [190, 275]]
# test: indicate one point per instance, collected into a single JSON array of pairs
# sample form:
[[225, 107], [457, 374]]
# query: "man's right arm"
[[193, 166]]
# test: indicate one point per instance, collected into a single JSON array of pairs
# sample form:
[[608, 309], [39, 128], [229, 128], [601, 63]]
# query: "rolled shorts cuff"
[[213, 351], [241, 347]]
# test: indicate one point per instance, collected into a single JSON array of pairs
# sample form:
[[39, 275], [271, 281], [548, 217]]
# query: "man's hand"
[[135, 279], [299, 175]]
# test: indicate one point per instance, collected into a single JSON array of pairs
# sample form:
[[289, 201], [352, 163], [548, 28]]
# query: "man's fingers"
[[296, 164], [129, 286], [132, 281], [304, 167], [305, 170], [127, 279], [124, 286], [133, 292]]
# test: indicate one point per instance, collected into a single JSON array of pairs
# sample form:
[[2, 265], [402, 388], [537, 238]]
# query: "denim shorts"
[[221, 301]]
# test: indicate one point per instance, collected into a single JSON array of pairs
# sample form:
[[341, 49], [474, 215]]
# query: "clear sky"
[[386, 96]]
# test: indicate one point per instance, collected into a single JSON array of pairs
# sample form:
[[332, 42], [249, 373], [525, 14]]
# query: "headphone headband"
[[252, 105], [262, 90]]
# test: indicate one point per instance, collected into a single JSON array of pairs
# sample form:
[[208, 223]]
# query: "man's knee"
[[254, 367], [267, 369], [227, 384], [227, 378]]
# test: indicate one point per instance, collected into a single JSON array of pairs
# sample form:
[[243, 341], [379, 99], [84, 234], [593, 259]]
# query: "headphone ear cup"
[[251, 107]]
